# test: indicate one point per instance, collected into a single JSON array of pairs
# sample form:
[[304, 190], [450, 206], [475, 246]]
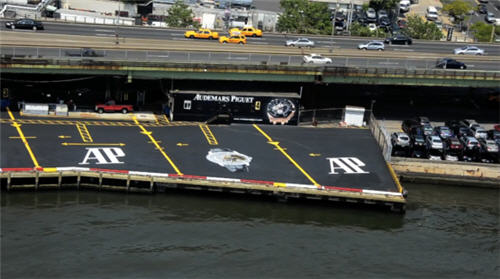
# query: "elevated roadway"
[[269, 39], [140, 58]]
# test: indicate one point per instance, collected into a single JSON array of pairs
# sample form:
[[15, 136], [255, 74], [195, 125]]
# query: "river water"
[[447, 232]]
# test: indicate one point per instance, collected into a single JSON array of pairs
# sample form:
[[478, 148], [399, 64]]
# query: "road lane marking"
[[208, 134], [84, 132], [104, 30], [104, 35], [157, 145], [91, 144], [23, 138], [276, 145]]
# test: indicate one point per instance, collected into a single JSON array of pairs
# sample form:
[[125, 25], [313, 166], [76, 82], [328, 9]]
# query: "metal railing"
[[382, 136]]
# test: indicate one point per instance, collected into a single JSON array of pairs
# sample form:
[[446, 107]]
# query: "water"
[[447, 232]]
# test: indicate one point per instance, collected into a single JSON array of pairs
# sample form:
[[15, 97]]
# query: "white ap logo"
[[103, 155], [350, 165]]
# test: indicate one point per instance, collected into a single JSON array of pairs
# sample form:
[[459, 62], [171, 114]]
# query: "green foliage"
[[383, 4], [420, 29], [482, 31], [180, 15], [458, 9], [302, 16]]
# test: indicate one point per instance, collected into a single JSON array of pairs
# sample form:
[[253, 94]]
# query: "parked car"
[[372, 45], [431, 13], [448, 63], [493, 134], [490, 17], [404, 6], [479, 132], [434, 142], [384, 22], [111, 106], [422, 120], [488, 145], [24, 23], [316, 59], [301, 42], [443, 132], [202, 33], [371, 15], [408, 124], [418, 146], [469, 122], [473, 50], [470, 142], [84, 52], [398, 39], [427, 129], [400, 139], [454, 147], [482, 9], [489, 151]]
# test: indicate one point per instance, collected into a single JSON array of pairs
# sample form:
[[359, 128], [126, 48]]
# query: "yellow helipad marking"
[[99, 123], [276, 144], [279, 184], [84, 132], [314, 154], [208, 134], [23, 138], [395, 178], [157, 145], [64, 137], [49, 169], [92, 144], [26, 137], [182, 144]]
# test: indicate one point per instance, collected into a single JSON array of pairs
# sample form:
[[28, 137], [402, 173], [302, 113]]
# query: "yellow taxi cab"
[[234, 39], [248, 31], [202, 33]]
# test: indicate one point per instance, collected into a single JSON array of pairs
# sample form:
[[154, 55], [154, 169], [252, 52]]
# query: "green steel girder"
[[276, 73]]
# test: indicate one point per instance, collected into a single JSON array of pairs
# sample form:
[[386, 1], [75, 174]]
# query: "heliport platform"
[[339, 164]]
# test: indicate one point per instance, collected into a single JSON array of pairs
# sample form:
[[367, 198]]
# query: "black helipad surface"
[[325, 156]]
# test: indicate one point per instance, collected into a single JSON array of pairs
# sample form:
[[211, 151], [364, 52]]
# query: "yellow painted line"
[[28, 137], [157, 145], [23, 138], [84, 132], [92, 144], [395, 178], [208, 134], [279, 184], [156, 119], [49, 169], [64, 137], [276, 144], [166, 118]]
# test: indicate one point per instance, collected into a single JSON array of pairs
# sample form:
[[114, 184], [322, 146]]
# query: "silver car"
[[301, 42], [473, 50], [400, 139], [372, 45]]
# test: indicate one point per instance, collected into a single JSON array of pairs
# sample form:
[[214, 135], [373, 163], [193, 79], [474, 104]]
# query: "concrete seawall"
[[442, 172]]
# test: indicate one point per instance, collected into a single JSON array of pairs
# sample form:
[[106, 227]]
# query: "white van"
[[404, 6], [432, 13]]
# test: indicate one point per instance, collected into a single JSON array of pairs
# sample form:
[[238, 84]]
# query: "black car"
[[448, 63], [409, 124], [399, 40], [25, 23], [384, 22], [482, 9]]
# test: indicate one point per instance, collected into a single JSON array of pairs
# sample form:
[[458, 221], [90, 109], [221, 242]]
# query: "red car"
[[112, 107]]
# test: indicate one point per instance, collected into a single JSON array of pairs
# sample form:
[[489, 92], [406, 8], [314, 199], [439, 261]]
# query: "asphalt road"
[[336, 42], [234, 58]]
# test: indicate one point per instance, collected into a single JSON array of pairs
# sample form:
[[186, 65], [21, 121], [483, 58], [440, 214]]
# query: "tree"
[[420, 29], [303, 16], [482, 31], [383, 4], [458, 9], [358, 29], [180, 15]]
